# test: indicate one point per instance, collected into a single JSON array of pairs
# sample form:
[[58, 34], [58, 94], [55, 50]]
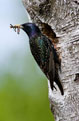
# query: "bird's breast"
[[35, 50]]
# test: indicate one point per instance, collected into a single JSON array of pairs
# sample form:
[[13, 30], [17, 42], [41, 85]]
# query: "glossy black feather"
[[44, 53]]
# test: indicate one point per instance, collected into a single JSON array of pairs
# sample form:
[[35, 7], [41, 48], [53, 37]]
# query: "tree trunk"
[[63, 17]]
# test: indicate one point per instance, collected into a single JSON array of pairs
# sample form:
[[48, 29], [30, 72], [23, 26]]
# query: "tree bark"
[[63, 17]]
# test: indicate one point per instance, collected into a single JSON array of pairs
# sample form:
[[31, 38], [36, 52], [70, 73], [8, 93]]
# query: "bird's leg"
[[54, 87]]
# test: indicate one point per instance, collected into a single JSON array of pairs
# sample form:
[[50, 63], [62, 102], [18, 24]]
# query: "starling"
[[43, 52]]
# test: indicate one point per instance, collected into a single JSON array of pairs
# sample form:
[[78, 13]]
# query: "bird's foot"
[[54, 87]]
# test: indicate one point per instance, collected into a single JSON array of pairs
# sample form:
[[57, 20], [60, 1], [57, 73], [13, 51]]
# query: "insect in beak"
[[16, 27]]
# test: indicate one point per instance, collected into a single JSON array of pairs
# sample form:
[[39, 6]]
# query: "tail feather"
[[58, 82], [55, 78]]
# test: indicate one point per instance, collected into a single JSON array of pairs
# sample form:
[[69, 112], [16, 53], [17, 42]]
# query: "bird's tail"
[[55, 78], [58, 82]]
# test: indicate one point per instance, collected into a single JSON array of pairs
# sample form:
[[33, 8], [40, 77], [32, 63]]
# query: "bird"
[[43, 52]]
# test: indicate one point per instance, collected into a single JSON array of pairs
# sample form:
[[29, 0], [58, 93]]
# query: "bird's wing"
[[53, 65], [51, 72]]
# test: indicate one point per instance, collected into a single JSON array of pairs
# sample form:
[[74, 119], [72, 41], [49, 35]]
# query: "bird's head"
[[30, 28]]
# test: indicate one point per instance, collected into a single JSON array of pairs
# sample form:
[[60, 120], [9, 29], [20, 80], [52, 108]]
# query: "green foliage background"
[[23, 87]]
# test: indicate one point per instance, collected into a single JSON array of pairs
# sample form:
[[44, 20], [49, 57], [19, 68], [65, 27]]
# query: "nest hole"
[[76, 77]]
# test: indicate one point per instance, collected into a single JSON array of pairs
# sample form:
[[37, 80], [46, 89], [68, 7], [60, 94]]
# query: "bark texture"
[[63, 17]]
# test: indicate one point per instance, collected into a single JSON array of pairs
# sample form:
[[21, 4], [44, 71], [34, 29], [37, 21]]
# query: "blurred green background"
[[23, 87]]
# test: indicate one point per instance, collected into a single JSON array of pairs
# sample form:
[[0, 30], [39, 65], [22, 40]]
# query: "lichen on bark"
[[63, 17]]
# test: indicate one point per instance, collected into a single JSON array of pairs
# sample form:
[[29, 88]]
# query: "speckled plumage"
[[44, 53]]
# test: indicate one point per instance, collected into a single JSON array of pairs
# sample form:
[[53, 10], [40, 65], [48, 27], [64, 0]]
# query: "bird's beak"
[[16, 27], [19, 26]]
